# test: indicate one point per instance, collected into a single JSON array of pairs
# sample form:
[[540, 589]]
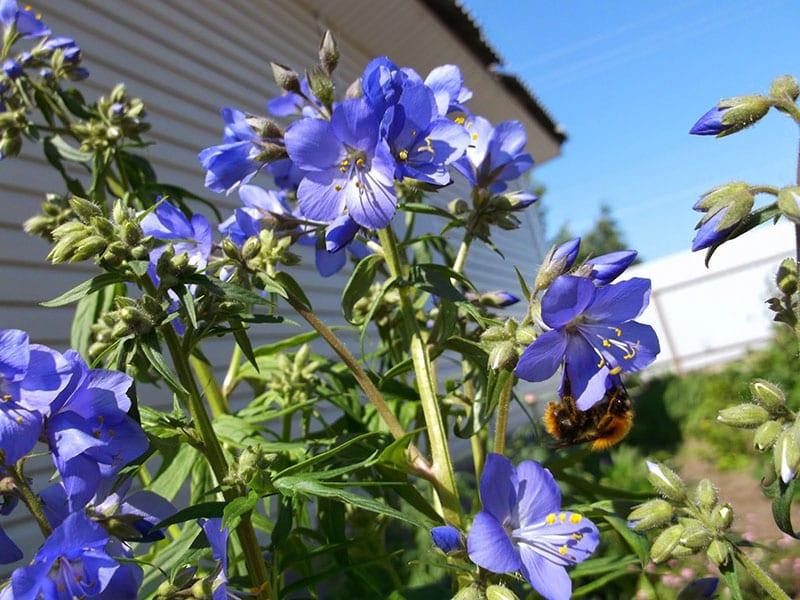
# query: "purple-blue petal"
[[20, 429], [340, 233], [285, 106], [607, 267], [498, 486], [585, 373], [313, 146], [709, 233], [329, 263], [447, 538], [538, 493], [9, 551], [318, 196], [542, 358], [710, 123], [566, 299], [14, 354], [550, 580], [355, 124], [490, 547], [373, 203], [568, 252], [619, 302]]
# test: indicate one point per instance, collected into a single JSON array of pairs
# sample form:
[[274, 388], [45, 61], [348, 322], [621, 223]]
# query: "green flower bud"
[[321, 86], [789, 203], [458, 206], [526, 335], [742, 111], [653, 513], [706, 494], [202, 590], [251, 248], [784, 87], [743, 416], [89, 248], [666, 481], [132, 233], [354, 90], [498, 592], [328, 53], [166, 590], [786, 277], [286, 78], [85, 209], [665, 543], [230, 249], [503, 356], [766, 435], [470, 593], [718, 552], [681, 551], [494, 333], [722, 516], [271, 152], [102, 226], [11, 144], [768, 395], [695, 535]]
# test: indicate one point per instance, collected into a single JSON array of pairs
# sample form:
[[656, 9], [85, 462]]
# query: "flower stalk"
[[30, 500], [506, 384], [437, 432], [771, 588]]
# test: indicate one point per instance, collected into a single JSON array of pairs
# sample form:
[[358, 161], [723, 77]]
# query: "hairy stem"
[[772, 589], [365, 383], [506, 383], [437, 432], [30, 499]]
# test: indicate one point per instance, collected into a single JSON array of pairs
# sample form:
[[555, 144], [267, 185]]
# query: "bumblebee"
[[603, 425]]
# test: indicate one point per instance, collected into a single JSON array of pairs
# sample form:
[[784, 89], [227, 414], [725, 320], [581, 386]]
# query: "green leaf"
[[229, 291], [237, 508], [276, 347], [243, 341], [81, 290], [782, 506], [169, 556], [204, 510], [53, 156], [67, 152], [89, 309], [188, 302], [468, 349], [299, 485], [730, 574], [323, 456], [150, 348], [291, 289], [600, 582], [174, 472], [359, 284], [526, 292], [428, 209], [636, 542], [436, 279]]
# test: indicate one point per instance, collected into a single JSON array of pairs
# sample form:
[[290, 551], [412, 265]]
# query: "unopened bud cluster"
[[492, 210], [252, 469], [385, 314], [56, 211], [506, 342], [295, 380], [130, 317], [690, 522], [92, 235], [777, 428], [186, 584], [257, 259], [118, 118]]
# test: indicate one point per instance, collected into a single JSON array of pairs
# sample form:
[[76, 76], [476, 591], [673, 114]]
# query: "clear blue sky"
[[627, 79]]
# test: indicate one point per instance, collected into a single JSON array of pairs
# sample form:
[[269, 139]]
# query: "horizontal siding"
[[186, 59]]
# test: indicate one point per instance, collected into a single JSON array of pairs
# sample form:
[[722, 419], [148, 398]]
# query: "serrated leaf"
[[81, 290], [359, 284]]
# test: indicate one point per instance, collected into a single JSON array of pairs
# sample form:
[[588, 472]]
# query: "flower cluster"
[[81, 414], [591, 331]]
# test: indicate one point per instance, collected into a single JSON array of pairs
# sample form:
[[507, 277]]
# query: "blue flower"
[[711, 122], [73, 563], [709, 231], [233, 162], [522, 527], [349, 170], [261, 208], [593, 335], [383, 81], [12, 69], [422, 142], [496, 154], [607, 267], [447, 84], [330, 255], [126, 516], [88, 430], [218, 539], [705, 587], [291, 103], [447, 538], [168, 223], [286, 174], [25, 21], [31, 376], [566, 253]]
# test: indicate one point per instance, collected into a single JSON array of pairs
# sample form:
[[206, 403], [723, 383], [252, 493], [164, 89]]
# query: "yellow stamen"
[[601, 363], [19, 420], [337, 187], [615, 370], [550, 519], [606, 344], [577, 536], [617, 331], [562, 550], [575, 518], [357, 183], [562, 517], [403, 154], [460, 120], [474, 137], [360, 162]]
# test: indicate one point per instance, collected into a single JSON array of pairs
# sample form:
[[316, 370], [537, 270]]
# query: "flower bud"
[[102, 226], [743, 416], [131, 233], [230, 249], [89, 248], [706, 494], [328, 53], [732, 115], [503, 356], [202, 589], [665, 543], [766, 435], [447, 538], [286, 78], [718, 552], [498, 299], [695, 535], [458, 206], [494, 333], [526, 335], [786, 455], [11, 144], [606, 268], [558, 261], [321, 86], [84, 208], [653, 513], [666, 481], [725, 207], [271, 152], [499, 592], [768, 395], [722, 516], [251, 248], [681, 551], [784, 88], [354, 90], [789, 203], [786, 277], [470, 593]]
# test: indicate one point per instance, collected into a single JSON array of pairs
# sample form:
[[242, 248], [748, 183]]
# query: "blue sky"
[[628, 79]]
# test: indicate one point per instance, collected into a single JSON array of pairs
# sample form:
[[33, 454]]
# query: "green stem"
[[503, 404], [229, 383], [772, 589], [365, 383], [764, 189], [437, 432], [205, 375], [463, 250], [31, 500]]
